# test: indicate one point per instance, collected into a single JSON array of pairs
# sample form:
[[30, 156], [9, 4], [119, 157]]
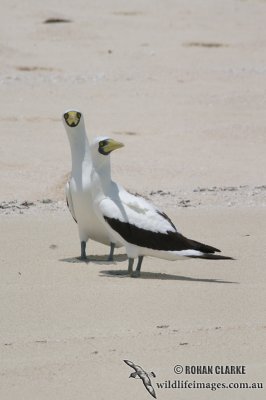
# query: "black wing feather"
[[137, 368], [169, 241]]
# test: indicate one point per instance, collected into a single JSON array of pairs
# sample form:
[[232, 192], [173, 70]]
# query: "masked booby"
[[141, 227], [83, 181]]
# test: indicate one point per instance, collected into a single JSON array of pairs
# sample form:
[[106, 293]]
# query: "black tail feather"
[[213, 257], [204, 248]]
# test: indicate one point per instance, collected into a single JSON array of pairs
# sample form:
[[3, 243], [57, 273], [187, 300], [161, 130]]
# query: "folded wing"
[[69, 201], [140, 223]]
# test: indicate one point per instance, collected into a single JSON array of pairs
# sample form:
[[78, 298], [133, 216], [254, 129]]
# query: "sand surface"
[[182, 84]]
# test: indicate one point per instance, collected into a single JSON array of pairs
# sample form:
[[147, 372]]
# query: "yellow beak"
[[112, 145]]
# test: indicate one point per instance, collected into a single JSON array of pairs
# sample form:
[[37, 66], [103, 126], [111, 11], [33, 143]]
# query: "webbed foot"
[[135, 274]]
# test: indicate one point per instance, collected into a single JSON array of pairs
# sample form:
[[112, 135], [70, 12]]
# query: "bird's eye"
[[101, 144]]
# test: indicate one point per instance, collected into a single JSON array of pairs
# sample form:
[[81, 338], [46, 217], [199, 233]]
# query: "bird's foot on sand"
[[83, 258], [135, 274]]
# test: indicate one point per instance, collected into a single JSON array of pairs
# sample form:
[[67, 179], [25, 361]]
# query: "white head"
[[74, 124], [101, 148]]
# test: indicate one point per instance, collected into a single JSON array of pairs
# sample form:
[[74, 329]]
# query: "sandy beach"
[[182, 85]]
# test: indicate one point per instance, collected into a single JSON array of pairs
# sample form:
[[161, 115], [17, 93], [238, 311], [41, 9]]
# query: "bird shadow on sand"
[[160, 276], [95, 259]]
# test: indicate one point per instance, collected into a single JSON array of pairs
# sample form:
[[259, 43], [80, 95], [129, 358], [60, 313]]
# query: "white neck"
[[104, 172], [80, 149]]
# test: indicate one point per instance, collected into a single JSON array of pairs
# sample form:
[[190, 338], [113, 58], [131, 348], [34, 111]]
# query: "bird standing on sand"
[[141, 227], [82, 183]]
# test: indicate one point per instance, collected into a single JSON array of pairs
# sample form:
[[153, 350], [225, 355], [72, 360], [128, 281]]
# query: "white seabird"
[[82, 183], [141, 227]]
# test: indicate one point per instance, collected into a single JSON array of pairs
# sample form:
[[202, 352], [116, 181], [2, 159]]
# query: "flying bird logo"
[[143, 375]]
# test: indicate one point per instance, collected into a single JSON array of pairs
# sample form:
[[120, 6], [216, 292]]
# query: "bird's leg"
[[83, 250], [111, 255], [139, 264], [137, 272], [130, 265]]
